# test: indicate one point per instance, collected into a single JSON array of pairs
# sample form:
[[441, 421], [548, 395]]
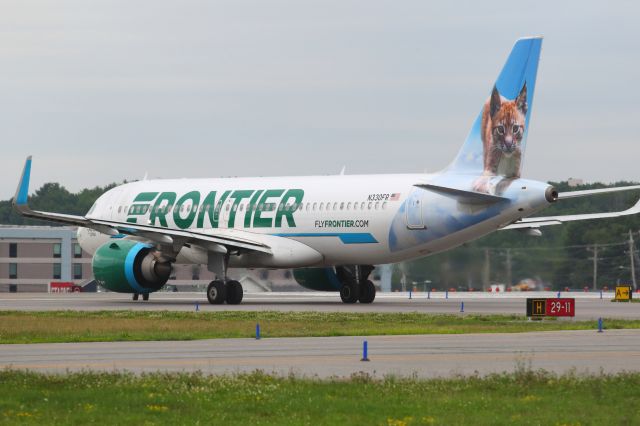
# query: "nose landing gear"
[[145, 296]]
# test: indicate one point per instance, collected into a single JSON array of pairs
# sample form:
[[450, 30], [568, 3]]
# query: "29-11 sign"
[[551, 307]]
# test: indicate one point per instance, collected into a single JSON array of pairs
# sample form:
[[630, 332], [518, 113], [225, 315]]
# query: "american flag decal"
[[394, 197]]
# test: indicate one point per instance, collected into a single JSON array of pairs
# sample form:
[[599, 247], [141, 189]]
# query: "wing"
[[215, 240], [537, 222]]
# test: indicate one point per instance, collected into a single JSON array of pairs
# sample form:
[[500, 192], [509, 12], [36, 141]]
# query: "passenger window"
[[384, 205], [341, 206], [377, 205], [314, 206], [321, 206], [369, 206]]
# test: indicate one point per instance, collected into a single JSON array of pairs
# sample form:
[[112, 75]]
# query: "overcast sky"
[[101, 91]]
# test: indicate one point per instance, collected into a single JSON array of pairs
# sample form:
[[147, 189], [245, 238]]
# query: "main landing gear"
[[145, 296], [219, 292], [355, 284]]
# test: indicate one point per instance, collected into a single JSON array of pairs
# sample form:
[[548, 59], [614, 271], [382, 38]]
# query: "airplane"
[[331, 230]]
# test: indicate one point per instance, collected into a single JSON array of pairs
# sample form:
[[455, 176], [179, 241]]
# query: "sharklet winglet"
[[22, 192]]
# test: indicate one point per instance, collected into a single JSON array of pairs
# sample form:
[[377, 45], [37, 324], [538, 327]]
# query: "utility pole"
[[595, 266], [508, 268], [636, 257], [632, 251], [486, 273]]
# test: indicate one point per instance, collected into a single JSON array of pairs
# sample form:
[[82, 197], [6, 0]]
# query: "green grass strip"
[[106, 326], [523, 398]]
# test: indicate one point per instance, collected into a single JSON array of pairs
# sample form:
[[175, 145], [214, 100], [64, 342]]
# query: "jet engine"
[[127, 266]]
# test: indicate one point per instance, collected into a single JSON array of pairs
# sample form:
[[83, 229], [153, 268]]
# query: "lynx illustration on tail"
[[502, 129]]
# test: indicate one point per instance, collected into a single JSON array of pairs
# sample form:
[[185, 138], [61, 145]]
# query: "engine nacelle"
[[127, 266], [320, 279]]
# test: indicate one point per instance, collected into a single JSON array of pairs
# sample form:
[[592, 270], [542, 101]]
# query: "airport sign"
[[551, 307], [623, 293]]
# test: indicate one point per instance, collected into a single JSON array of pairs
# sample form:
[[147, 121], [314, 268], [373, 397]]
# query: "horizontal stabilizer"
[[463, 196]]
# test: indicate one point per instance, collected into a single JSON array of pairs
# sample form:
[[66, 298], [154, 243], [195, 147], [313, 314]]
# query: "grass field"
[[74, 326], [523, 397]]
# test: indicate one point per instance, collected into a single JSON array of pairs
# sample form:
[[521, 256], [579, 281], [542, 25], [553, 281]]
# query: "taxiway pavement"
[[588, 305], [425, 356]]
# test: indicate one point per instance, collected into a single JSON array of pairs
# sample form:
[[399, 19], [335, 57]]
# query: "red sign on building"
[[64, 287]]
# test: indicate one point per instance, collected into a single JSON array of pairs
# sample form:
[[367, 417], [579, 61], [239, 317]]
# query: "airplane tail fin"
[[496, 144]]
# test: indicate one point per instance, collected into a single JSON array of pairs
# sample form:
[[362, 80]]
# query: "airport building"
[[31, 257]]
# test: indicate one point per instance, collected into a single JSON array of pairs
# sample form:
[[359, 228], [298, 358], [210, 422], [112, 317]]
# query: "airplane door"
[[225, 213], [413, 217]]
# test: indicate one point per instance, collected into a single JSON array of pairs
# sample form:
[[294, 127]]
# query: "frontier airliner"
[[330, 229]]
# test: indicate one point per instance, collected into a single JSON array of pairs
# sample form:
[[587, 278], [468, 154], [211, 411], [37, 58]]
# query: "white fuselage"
[[316, 220]]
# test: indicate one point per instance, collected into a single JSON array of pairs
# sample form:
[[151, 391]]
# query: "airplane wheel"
[[367, 292], [135, 296], [216, 292], [234, 292], [349, 293], [145, 296]]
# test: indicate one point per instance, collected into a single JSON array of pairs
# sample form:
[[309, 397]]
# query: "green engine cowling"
[[127, 266], [320, 279]]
